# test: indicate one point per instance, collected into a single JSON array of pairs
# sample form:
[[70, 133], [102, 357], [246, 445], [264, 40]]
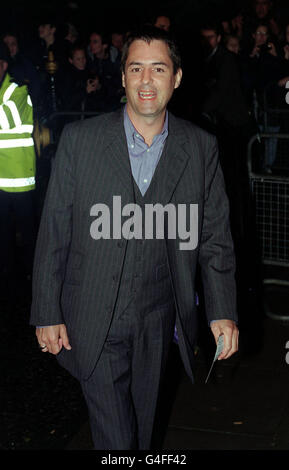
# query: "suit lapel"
[[171, 165], [169, 169], [116, 151]]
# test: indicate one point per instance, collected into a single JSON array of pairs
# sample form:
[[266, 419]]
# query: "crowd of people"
[[70, 69], [87, 75]]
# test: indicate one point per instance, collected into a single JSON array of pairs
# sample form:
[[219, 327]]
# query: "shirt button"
[[148, 150], [145, 181], [132, 146]]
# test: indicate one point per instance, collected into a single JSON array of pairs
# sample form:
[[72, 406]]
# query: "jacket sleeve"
[[216, 257], [54, 238]]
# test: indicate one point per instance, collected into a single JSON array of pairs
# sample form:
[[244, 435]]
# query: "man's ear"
[[5, 65], [219, 37], [123, 79], [178, 77]]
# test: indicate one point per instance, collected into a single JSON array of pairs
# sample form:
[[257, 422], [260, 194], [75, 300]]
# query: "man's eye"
[[158, 69], [135, 69]]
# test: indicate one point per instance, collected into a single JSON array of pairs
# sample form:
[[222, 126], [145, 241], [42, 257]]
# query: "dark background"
[[186, 14]]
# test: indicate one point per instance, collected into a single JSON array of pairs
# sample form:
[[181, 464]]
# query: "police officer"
[[17, 173]]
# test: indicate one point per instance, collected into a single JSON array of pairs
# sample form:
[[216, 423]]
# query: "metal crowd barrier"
[[270, 194], [271, 109]]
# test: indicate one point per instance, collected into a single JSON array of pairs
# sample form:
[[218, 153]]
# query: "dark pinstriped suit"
[[90, 286]]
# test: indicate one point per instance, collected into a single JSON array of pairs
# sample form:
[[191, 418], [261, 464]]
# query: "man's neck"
[[147, 127]]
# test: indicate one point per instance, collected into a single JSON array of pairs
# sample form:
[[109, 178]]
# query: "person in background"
[[48, 41], [116, 46], [22, 69], [77, 89], [228, 116], [105, 71], [285, 50], [262, 59], [232, 43], [262, 11], [17, 176], [162, 22], [237, 23], [264, 70], [70, 36]]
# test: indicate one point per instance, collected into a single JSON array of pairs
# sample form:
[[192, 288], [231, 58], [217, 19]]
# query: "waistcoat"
[[145, 277]]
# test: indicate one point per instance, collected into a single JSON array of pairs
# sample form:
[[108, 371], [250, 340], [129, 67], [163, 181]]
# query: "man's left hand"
[[231, 334]]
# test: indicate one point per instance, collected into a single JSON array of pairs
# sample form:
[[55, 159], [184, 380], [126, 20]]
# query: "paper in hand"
[[220, 344]]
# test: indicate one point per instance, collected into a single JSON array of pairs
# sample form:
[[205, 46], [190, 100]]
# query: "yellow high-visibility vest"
[[17, 153]]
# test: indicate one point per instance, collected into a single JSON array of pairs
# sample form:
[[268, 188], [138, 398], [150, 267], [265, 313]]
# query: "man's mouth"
[[147, 95]]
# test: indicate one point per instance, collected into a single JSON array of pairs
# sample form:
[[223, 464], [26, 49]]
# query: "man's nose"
[[146, 75]]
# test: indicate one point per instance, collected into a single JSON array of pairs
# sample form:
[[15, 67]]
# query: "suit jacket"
[[76, 278]]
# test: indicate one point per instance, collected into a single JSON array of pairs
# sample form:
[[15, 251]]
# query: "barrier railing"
[[273, 111], [270, 194]]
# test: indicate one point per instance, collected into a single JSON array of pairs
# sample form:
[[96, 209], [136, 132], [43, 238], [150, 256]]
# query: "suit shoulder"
[[93, 125], [193, 131]]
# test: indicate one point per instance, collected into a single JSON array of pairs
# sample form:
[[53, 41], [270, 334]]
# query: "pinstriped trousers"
[[122, 392]]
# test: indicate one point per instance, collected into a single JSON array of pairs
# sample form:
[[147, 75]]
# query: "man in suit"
[[109, 304]]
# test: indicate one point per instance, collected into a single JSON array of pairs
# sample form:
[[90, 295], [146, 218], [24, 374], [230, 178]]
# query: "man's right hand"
[[53, 338]]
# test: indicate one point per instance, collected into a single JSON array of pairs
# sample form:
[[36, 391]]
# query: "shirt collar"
[[132, 133]]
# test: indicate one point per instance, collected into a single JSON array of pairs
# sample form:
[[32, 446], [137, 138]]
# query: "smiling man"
[[149, 79], [107, 308]]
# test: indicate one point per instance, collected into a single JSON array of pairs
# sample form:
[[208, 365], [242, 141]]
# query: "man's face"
[[262, 8], [117, 40], [95, 44], [12, 44], [46, 30], [233, 45], [261, 35], [163, 22], [149, 78], [78, 59], [210, 39], [239, 20]]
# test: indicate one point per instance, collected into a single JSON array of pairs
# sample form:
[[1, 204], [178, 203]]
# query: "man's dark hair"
[[51, 20], [257, 24], [76, 47], [158, 15], [212, 26], [101, 34], [9, 33], [148, 34]]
